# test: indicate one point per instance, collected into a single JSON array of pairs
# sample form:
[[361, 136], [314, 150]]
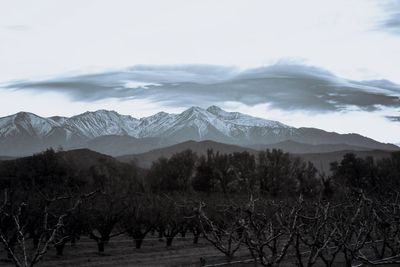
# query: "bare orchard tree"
[[271, 230], [223, 226], [195, 228], [384, 237], [106, 211], [141, 217], [315, 235], [102, 215], [52, 224], [172, 217], [353, 223]]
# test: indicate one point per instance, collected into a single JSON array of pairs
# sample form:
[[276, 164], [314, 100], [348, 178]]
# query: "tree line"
[[272, 172]]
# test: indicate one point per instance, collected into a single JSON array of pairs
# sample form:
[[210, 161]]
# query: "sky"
[[327, 64]]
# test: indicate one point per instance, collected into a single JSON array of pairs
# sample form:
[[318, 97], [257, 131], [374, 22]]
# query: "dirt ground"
[[121, 252]]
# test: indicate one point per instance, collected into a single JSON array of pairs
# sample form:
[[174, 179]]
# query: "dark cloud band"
[[283, 86], [393, 118]]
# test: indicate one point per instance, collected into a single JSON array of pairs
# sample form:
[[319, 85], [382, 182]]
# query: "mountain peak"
[[24, 114], [30, 118], [195, 109], [214, 109], [99, 111]]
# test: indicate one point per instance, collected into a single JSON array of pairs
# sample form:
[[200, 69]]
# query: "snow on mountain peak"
[[102, 122], [27, 122], [243, 119], [93, 124], [214, 109]]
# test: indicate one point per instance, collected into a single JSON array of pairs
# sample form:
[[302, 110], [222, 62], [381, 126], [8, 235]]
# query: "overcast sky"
[[47, 48]]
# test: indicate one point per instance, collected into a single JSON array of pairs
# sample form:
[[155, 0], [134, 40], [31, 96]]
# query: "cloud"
[[391, 22], [393, 118], [283, 86]]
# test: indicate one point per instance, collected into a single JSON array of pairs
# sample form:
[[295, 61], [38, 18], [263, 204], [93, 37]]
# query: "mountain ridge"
[[25, 133]]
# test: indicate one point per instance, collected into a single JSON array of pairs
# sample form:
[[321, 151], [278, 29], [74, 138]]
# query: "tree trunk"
[[169, 241], [196, 239], [138, 242], [73, 241], [100, 246], [60, 248], [348, 258], [160, 236], [35, 241], [183, 233]]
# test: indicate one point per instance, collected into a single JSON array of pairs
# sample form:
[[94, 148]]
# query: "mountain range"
[[114, 134]]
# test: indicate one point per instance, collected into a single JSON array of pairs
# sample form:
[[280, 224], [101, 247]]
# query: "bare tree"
[[102, 215], [172, 218], [271, 230], [315, 236], [384, 234], [224, 229], [51, 224], [141, 217]]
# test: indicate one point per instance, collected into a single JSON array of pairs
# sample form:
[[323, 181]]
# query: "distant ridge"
[[320, 160], [296, 147], [6, 158], [145, 159]]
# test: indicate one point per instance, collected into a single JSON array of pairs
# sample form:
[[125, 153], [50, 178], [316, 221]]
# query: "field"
[[122, 252]]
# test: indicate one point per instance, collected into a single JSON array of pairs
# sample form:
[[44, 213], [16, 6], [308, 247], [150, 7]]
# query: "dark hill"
[[145, 159]]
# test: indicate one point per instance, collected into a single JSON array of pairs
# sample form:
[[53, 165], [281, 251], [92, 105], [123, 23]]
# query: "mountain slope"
[[115, 145]]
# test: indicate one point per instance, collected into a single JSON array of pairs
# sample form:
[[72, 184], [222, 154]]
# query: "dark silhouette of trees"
[[203, 180], [281, 174], [274, 169], [379, 177], [353, 172], [174, 174], [226, 173]]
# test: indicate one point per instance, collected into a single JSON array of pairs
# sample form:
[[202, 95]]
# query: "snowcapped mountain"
[[101, 123], [110, 132], [237, 118], [196, 123], [25, 123]]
